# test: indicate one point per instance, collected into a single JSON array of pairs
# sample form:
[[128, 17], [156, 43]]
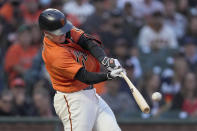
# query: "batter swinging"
[[72, 59]]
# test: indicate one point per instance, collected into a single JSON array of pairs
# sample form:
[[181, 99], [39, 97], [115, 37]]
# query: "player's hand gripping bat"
[[137, 95]]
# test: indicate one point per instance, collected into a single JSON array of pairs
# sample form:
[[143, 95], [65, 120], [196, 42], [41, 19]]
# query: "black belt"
[[89, 87]]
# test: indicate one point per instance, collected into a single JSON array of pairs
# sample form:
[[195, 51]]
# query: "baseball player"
[[72, 59]]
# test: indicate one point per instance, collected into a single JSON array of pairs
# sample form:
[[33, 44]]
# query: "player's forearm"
[[96, 51], [92, 46], [90, 77]]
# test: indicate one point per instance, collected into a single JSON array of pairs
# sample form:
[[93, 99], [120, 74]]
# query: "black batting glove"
[[110, 63]]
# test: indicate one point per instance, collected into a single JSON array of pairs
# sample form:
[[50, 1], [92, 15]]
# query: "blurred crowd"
[[155, 41]]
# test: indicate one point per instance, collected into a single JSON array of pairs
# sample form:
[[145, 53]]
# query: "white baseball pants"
[[84, 110]]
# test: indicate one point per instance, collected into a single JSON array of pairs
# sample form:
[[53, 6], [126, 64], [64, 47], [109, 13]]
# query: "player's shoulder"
[[75, 33], [61, 52], [56, 54], [76, 30]]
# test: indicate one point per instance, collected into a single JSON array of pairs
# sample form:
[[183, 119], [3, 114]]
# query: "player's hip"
[[88, 94], [72, 88]]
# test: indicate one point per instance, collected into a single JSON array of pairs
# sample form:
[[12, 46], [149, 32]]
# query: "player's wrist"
[[116, 73], [110, 63], [109, 77], [104, 61]]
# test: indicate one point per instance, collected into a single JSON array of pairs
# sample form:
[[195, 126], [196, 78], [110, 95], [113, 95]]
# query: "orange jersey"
[[63, 61]]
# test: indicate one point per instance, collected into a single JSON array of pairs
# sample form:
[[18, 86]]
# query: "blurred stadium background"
[[155, 40]]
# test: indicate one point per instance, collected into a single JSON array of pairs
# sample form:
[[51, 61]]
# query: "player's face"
[[57, 38]]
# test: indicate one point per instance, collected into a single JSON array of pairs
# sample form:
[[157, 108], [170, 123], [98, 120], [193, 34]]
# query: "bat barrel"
[[146, 110], [137, 95]]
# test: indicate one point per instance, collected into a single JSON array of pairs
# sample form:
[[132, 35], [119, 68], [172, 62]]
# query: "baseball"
[[156, 96]]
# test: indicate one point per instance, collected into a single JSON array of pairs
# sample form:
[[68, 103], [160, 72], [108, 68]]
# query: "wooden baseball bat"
[[137, 95]]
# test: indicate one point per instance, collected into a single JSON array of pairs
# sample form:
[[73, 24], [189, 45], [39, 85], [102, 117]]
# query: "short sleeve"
[[66, 66], [76, 34]]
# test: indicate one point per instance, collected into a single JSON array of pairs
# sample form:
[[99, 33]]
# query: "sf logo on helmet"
[[62, 21]]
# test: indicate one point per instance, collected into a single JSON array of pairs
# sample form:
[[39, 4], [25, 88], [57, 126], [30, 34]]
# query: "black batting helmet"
[[54, 21]]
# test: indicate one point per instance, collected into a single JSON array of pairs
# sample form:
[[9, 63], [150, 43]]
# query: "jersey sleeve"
[[66, 65], [76, 34]]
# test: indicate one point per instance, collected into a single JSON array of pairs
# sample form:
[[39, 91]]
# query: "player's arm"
[[92, 78], [91, 44]]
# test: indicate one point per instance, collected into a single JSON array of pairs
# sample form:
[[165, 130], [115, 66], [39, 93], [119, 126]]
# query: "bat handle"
[[123, 75]]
